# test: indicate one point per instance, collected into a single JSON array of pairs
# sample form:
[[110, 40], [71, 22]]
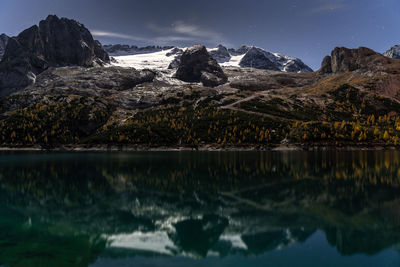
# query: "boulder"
[[196, 65]]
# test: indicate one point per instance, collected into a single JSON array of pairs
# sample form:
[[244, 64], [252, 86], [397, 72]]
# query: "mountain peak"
[[55, 42], [393, 52], [343, 59]]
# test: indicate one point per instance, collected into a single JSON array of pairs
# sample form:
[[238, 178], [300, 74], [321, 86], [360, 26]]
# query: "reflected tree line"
[[353, 197]]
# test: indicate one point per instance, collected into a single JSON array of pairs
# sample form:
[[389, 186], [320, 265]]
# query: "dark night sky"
[[308, 29]]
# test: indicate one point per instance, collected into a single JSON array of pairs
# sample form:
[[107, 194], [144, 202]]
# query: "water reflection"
[[72, 209]]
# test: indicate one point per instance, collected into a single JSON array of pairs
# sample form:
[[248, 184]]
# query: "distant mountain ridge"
[[121, 50], [244, 56]]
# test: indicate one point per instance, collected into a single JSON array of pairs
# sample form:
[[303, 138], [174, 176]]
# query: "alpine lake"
[[289, 208]]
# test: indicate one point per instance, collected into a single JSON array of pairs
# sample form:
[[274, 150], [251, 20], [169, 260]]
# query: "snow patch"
[[158, 242], [156, 60]]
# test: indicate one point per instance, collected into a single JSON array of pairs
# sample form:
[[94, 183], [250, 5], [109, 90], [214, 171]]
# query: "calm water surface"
[[200, 209]]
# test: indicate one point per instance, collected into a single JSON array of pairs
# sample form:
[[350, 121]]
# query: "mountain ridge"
[[254, 57]]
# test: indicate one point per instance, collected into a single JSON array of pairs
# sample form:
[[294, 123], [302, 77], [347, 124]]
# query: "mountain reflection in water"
[[97, 208]]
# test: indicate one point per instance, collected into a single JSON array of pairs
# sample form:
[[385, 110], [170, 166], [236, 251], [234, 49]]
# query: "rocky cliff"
[[362, 59], [55, 42], [3, 43]]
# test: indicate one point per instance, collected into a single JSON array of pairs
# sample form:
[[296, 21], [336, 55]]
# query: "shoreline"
[[210, 148]]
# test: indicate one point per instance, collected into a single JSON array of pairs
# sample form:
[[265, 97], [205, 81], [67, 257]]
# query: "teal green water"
[[200, 209]]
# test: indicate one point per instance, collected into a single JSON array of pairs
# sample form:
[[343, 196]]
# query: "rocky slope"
[[54, 43], [393, 52]]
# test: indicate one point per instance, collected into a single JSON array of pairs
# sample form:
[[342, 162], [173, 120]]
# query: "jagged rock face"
[[174, 63], [3, 43], [100, 53], [55, 42], [347, 60], [326, 66], [393, 52], [296, 65], [256, 58], [177, 52], [198, 66], [241, 50], [220, 54], [67, 42]]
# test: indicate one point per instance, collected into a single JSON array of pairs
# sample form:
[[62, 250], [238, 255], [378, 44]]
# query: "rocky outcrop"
[[220, 54], [55, 42], [393, 52], [326, 66], [177, 53], [3, 43], [174, 63], [196, 65], [346, 60], [101, 56]]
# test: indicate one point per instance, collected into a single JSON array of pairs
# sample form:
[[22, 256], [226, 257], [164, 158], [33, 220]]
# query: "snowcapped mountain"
[[258, 58], [156, 57], [220, 54], [393, 52]]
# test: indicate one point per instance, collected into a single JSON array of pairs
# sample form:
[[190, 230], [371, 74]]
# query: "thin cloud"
[[181, 31], [322, 6], [174, 38], [98, 33], [178, 32]]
